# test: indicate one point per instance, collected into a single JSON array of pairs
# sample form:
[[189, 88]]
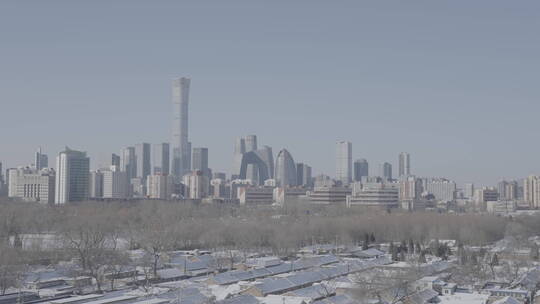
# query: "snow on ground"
[[464, 298], [222, 292]]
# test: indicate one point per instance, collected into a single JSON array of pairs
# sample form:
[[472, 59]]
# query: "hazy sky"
[[455, 83]]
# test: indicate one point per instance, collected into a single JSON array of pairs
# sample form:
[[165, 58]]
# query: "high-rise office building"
[[200, 160], [531, 191], [344, 162], [511, 191], [181, 148], [404, 164], [142, 155], [115, 160], [239, 150], [442, 189], [285, 169], [197, 185], [159, 186], [410, 188], [258, 163], [250, 143], [128, 162], [161, 159], [385, 171], [3, 189], [265, 154], [300, 173], [96, 184], [468, 190], [72, 175], [303, 175], [361, 168], [2, 180], [115, 183], [41, 160], [501, 188]]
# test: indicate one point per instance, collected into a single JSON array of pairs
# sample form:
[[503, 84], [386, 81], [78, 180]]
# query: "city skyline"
[[433, 100]]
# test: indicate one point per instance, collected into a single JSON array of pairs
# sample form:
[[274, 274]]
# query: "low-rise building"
[[329, 195], [31, 184], [501, 207], [255, 195], [375, 195]]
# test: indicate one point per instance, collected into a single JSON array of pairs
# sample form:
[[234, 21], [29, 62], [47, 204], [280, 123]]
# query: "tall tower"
[[285, 172], [42, 160], [128, 162], [361, 168], [385, 171], [200, 160], [404, 164], [239, 150], [181, 148], [250, 143], [72, 176], [142, 156], [344, 162], [161, 159]]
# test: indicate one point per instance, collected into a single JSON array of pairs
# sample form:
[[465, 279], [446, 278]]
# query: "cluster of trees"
[[98, 234]]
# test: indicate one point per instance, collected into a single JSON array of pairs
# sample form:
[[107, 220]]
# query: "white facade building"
[[442, 189], [375, 195], [344, 162], [531, 191], [404, 164], [197, 185], [159, 186], [30, 184], [115, 183]]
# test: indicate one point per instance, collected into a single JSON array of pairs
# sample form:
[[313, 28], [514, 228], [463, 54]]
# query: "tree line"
[[96, 234]]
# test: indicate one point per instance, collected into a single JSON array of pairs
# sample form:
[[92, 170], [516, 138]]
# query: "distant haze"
[[454, 83]]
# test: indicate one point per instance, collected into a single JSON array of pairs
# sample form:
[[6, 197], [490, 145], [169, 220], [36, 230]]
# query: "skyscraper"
[[410, 188], [142, 155], [115, 183], [96, 184], [385, 171], [161, 159], [404, 164], [285, 169], [115, 160], [303, 174], [250, 143], [344, 162], [531, 191], [72, 174], [200, 160], [42, 160], [159, 186], [181, 148], [197, 185], [239, 150], [2, 185], [300, 173], [128, 162], [468, 190], [361, 168]]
